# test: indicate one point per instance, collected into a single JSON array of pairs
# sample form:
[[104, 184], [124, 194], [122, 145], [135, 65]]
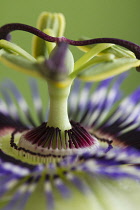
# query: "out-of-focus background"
[[91, 18]]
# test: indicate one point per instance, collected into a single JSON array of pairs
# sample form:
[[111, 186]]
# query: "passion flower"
[[85, 155]]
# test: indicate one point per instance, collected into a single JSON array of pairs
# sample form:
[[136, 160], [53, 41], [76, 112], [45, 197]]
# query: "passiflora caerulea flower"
[[84, 153]]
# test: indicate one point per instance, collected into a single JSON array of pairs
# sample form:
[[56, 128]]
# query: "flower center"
[[46, 142]]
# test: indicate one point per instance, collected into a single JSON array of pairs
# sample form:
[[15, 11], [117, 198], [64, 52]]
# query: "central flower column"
[[58, 114], [57, 137]]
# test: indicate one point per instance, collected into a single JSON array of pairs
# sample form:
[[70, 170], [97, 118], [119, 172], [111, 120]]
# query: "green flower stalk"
[[86, 154]]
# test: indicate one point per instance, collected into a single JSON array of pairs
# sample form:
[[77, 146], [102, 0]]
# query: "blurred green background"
[[91, 18]]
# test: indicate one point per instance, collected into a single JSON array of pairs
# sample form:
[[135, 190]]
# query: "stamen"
[[45, 141]]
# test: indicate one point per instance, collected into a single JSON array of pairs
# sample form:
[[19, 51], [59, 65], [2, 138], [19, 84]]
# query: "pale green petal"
[[103, 194]]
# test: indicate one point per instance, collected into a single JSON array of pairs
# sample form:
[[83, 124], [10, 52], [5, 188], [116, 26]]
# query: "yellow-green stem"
[[58, 113]]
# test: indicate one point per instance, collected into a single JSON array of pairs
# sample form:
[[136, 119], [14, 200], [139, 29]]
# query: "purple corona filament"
[[43, 136], [6, 29]]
